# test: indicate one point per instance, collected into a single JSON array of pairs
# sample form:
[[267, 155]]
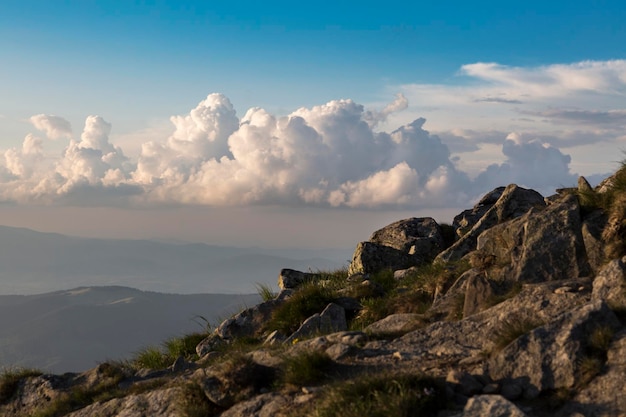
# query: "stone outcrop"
[[537, 310], [292, 279], [400, 245], [513, 202], [610, 283], [525, 247], [605, 396], [549, 357]]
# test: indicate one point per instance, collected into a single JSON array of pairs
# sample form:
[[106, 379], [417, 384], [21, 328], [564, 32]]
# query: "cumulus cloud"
[[532, 164], [55, 127], [330, 155], [89, 163]]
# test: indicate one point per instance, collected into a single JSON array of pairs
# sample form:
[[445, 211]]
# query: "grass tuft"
[[306, 368], [511, 329], [381, 396], [265, 291], [311, 298], [10, 379]]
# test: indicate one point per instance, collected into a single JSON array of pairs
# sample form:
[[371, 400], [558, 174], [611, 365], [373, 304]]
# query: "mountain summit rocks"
[[522, 314]]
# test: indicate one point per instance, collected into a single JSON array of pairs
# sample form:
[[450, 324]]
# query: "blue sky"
[[531, 92]]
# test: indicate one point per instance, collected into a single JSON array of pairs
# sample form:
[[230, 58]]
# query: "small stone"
[[338, 351]]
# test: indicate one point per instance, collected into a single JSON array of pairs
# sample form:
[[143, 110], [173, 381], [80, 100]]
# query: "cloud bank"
[[336, 154], [565, 105]]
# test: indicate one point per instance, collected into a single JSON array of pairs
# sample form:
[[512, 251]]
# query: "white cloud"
[[55, 127], [340, 154], [603, 77], [532, 164], [568, 106]]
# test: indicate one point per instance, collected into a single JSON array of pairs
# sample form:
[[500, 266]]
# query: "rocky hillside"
[[516, 309]]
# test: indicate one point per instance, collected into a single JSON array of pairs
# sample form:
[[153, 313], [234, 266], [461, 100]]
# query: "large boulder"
[[605, 396], [249, 322], [292, 279], [417, 235], [513, 202], [549, 357], [399, 245], [542, 245], [372, 257]]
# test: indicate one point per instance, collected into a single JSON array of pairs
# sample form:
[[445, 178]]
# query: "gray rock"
[[592, 227], [180, 364], [264, 405], [478, 291], [308, 328], [400, 245], [605, 396], [542, 245], [159, 402], [464, 222], [610, 283], [548, 357], [421, 235], [332, 319], [401, 274], [492, 406], [274, 338], [372, 257], [209, 344], [514, 202], [339, 351], [216, 392], [584, 186], [249, 322], [292, 279], [395, 324]]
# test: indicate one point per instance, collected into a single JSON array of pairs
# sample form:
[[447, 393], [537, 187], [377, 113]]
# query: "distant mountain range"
[[33, 262], [73, 330]]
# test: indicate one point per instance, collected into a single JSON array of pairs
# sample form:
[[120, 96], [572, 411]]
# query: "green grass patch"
[[154, 357], [311, 298], [381, 396], [306, 368]]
